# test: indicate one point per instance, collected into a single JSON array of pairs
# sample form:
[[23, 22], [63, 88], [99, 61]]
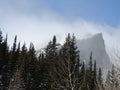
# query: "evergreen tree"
[[83, 78], [112, 82], [100, 75], [51, 58], [3, 62], [22, 65], [5, 59], [88, 83], [43, 77], [30, 82], [1, 37], [99, 80], [13, 57], [90, 73], [1, 52], [94, 78], [17, 55], [67, 70], [40, 72]]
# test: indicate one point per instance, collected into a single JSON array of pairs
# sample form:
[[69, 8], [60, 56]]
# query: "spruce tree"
[[94, 78], [99, 80], [13, 57], [88, 82], [1, 37], [112, 82], [91, 73], [83, 77], [3, 62], [1, 52], [51, 58], [30, 85], [67, 70], [100, 75], [5, 59], [22, 65]]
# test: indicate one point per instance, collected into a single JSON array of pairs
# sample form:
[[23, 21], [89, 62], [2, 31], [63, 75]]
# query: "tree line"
[[21, 68]]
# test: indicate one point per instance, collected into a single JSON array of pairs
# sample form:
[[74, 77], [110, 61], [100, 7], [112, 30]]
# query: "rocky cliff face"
[[96, 45]]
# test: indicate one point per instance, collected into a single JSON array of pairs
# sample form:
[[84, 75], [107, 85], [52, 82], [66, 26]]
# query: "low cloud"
[[40, 27]]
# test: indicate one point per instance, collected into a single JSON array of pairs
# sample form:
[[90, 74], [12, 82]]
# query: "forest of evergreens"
[[21, 68]]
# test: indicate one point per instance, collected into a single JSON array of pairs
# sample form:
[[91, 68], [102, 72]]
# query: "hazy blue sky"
[[100, 11], [39, 20]]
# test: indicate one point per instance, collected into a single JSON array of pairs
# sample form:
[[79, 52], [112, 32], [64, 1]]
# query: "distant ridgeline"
[[75, 65]]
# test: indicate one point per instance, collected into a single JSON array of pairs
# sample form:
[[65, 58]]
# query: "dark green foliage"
[[1, 37], [89, 76], [99, 85], [22, 64], [94, 78], [113, 79], [100, 76], [30, 69], [67, 68], [50, 59], [53, 69], [3, 62], [13, 56]]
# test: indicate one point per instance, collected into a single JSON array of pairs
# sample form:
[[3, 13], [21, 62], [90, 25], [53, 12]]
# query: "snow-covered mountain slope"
[[96, 45], [42, 50]]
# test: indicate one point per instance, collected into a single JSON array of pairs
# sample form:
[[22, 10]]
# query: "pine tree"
[[3, 62], [88, 83], [91, 73], [5, 59], [39, 72], [108, 81], [83, 78], [13, 57], [94, 78], [99, 80], [51, 58], [100, 75], [22, 64], [30, 82], [17, 55], [1, 52], [67, 70], [43, 77], [1, 37], [112, 82]]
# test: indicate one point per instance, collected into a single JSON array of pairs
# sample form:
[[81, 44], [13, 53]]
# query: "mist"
[[16, 18]]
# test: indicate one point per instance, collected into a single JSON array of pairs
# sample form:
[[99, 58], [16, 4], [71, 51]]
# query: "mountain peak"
[[99, 35], [96, 45]]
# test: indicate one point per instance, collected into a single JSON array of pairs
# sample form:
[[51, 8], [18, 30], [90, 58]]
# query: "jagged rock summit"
[[96, 45]]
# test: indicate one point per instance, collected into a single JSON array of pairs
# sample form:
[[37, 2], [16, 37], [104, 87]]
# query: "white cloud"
[[40, 27]]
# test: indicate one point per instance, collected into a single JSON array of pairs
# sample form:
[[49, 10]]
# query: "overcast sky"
[[38, 20]]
